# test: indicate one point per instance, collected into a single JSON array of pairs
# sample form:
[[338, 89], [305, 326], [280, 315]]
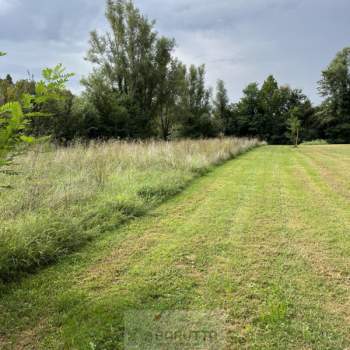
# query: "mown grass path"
[[264, 237]]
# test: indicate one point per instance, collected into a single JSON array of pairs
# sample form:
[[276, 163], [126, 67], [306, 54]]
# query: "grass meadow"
[[64, 197], [260, 242]]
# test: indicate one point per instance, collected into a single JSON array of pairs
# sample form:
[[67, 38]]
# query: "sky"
[[239, 41]]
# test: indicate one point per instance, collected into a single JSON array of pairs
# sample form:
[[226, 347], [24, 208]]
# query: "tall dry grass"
[[64, 197]]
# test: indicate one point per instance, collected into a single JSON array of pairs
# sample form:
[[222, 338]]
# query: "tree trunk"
[[297, 138]]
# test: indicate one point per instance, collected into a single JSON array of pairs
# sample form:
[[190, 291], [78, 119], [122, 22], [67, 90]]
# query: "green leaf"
[[37, 114], [26, 101], [27, 139]]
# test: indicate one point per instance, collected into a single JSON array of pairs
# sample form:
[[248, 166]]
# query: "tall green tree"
[[170, 111], [138, 88], [197, 119], [222, 111], [126, 59], [270, 102], [171, 75], [248, 113], [334, 86]]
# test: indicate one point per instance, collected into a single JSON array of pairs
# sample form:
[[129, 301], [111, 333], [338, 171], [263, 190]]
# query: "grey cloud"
[[238, 40], [48, 20], [211, 14]]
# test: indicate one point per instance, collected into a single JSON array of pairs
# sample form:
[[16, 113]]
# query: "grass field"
[[65, 197], [264, 238]]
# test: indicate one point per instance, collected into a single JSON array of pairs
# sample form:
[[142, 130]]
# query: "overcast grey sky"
[[240, 41]]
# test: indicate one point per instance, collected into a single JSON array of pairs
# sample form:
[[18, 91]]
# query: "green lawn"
[[264, 238]]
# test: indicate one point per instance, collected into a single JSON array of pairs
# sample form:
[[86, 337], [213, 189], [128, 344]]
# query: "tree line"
[[138, 89]]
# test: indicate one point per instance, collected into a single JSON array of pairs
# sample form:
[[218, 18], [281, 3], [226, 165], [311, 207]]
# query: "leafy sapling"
[[294, 126], [15, 115]]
